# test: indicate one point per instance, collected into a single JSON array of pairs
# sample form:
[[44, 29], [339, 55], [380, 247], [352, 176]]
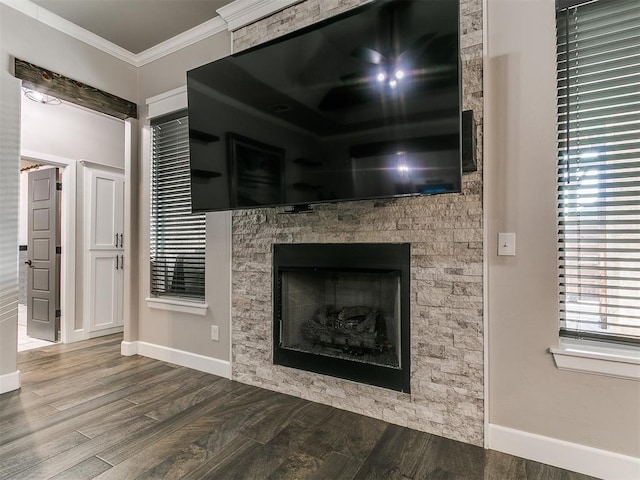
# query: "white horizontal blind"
[[177, 235], [598, 60]]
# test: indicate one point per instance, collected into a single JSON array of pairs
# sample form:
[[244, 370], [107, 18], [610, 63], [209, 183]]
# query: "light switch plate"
[[507, 244], [214, 332]]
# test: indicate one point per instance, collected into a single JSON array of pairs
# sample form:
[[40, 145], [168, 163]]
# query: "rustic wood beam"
[[69, 90]]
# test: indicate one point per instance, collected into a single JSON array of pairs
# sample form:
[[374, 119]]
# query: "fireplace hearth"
[[343, 310]]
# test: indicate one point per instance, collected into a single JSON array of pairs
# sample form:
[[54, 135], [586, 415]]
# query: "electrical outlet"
[[214, 332]]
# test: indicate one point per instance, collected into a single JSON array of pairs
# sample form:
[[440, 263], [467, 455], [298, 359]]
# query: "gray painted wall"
[[526, 391], [9, 168], [72, 132], [191, 333]]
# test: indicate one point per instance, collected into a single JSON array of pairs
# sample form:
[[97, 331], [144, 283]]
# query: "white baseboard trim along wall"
[[178, 357], [9, 382], [567, 455]]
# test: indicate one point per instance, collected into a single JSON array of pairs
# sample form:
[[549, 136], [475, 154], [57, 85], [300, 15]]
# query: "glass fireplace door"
[[344, 314]]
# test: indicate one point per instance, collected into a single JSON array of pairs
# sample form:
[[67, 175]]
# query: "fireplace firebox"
[[343, 310]]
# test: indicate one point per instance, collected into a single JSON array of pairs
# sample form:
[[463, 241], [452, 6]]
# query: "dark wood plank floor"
[[85, 411]]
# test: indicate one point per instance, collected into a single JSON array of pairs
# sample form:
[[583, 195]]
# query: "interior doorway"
[[25, 342], [40, 247], [67, 242], [75, 140]]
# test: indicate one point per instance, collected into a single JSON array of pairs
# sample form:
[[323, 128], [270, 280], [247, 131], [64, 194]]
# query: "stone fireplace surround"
[[445, 233]]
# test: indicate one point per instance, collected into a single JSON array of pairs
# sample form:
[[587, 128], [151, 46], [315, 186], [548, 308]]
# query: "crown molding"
[[195, 34], [231, 17], [243, 12], [191, 36], [54, 21]]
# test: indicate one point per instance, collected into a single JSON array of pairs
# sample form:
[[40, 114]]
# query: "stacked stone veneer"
[[445, 232]]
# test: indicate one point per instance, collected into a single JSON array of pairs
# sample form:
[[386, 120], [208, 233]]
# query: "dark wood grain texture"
[[86, 412], [65, 88]]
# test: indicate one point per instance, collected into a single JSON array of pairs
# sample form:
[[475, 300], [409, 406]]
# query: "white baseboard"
[[9, 382], [195, 361], [562, 454], [129, 349], [73, 335], [104, 332]]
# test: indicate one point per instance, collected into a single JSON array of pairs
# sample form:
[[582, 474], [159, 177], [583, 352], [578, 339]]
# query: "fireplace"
[[343, 310]]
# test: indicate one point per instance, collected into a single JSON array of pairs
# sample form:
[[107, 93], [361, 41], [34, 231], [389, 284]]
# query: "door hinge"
[[58, 186], [58, 250], [58, 313]]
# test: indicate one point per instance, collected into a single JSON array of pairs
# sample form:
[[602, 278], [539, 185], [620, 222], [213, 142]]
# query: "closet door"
[[105, 290], [106, 194], [104, 252]]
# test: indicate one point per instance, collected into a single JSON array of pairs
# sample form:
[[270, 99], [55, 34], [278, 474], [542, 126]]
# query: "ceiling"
[[135, 25]]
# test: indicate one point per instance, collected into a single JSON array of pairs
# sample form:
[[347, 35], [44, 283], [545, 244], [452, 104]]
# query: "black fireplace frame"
[[346, 257]]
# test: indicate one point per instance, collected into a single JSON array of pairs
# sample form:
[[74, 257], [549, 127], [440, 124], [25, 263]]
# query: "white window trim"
[[593, 357], [163, 104], [177, 305], [167, 102]]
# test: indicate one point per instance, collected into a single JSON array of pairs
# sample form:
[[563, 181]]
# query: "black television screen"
[[363, 105]]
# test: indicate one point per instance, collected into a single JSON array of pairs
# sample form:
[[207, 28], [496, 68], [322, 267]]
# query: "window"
[[177, 235], [598, 73]]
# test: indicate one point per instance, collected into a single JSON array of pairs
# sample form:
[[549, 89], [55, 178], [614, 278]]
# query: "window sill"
[[592, 357], [177, 305]]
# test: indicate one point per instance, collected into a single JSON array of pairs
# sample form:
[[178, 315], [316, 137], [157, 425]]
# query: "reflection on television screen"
[[363, 105]]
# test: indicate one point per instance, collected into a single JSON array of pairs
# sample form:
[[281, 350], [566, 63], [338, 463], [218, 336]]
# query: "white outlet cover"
[[214, 332], [507, 244]]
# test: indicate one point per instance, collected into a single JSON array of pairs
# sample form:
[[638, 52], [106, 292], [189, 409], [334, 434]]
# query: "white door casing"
[[69, 332]]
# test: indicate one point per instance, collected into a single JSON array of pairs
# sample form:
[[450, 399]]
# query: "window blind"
[[598, 75], [177, 235]]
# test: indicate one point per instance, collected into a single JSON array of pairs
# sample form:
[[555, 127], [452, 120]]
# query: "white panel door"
[[105, 251], [106, 198], [105, 287], [43, 294]]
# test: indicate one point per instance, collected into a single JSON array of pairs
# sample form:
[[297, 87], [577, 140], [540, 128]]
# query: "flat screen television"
[[363, 105]]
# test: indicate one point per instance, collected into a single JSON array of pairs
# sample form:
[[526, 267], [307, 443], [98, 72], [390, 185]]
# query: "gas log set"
[[355, 330]]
